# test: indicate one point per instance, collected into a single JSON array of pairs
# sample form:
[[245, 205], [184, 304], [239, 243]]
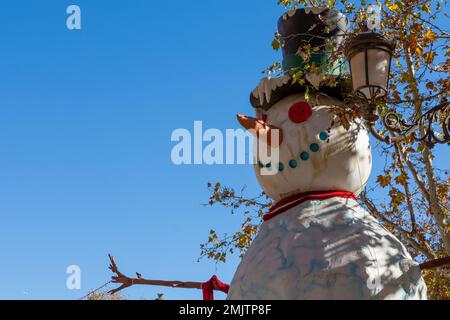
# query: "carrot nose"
[[261, 128]]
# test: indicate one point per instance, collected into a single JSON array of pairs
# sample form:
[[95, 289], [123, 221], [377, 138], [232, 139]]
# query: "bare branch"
[[415, 174], [374, 211], [407, 191], [438, 263], [127, 281]]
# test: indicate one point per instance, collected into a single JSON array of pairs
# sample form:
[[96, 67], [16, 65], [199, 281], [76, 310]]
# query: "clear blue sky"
[[85, 124]]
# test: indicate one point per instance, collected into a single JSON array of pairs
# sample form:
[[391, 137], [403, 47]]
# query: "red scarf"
[[213, 284], [289, 202]]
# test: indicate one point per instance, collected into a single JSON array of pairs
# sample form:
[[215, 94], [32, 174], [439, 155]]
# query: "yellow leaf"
[[429, 56], [397, 198], [396, 95], [248, 229], [442, 191], [392, 7], [430, 36], [426, 8], [384, 181], [401, 179], [344, 121], [418, 50]]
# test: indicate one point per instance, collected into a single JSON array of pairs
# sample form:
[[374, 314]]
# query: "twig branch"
[[374, 211], [438, 263], [407, 191], [415, 175], [128, 282]]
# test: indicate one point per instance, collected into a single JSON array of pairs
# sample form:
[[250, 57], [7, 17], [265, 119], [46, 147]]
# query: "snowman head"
[[316, 153]]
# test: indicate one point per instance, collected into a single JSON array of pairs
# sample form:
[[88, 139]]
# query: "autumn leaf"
[[396, 95], [344, 121], [430, 36], [418, 50], [276, 45], [426, 8], [384, 181], [392, 6], [430, 86], [429, 56], [442, 191], [401, 179], [397, 198]]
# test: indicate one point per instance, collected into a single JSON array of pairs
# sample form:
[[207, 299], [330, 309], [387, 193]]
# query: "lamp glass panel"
[[357, 66], [378, 67]]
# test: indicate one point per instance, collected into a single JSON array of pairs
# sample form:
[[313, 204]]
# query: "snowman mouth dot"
[[304, 155], [323, 136], [314, 147]]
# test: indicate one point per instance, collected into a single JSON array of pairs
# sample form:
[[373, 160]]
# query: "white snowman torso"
[[326, 249]]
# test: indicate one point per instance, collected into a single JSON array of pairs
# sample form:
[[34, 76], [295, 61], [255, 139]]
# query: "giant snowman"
[[317, 242]]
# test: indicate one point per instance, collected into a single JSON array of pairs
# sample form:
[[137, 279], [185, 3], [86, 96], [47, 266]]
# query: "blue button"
[[323, 136], [304, 156], [314, 147], [293, 164]]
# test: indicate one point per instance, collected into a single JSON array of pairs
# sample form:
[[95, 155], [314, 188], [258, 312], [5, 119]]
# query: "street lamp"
[[369, 55]]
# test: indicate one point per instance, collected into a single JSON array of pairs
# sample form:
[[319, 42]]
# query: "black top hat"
[[323, 29]]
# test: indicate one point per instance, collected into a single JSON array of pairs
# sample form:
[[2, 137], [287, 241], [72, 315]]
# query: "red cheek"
[[300, 112]]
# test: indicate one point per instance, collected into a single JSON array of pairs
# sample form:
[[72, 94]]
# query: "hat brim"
[[271, 91]]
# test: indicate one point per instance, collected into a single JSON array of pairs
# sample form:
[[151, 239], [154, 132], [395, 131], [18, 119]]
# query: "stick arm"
[[438, 263], [128, 282]]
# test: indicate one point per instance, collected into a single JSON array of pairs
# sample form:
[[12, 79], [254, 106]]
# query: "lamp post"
[[369, 55]]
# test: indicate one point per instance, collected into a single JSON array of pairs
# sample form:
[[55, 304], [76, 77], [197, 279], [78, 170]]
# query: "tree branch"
[[438, 263], [407, 191], [374, 211], [128, 282], [431, 192], [415, 175]]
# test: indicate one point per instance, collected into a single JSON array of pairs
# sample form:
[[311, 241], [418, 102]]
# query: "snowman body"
[[329, 248], [326, 249]]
